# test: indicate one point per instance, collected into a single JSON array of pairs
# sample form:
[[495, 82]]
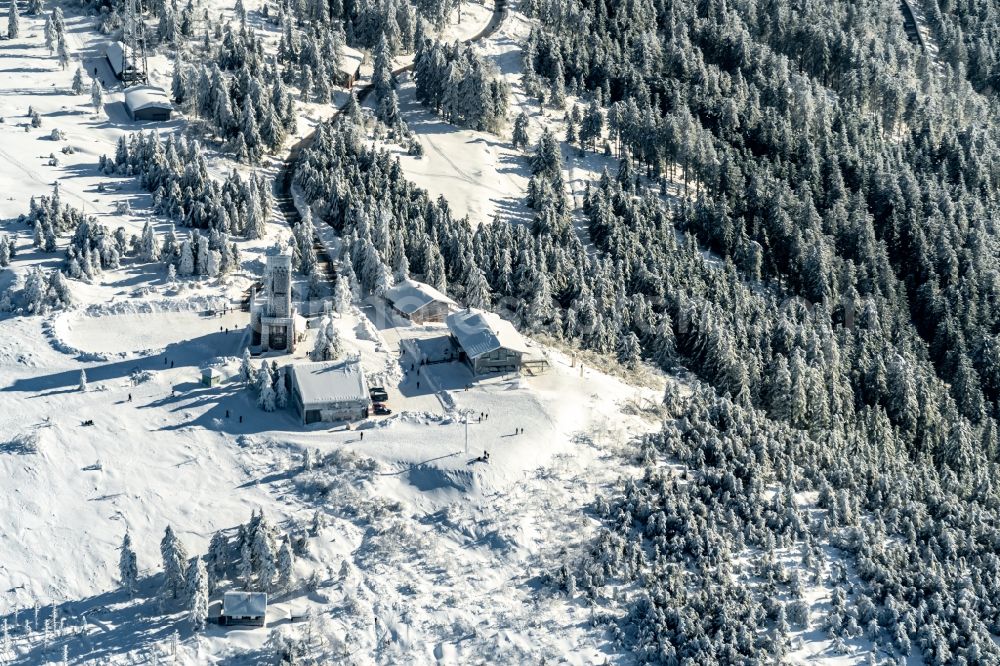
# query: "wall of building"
[[500, 360], [433, 312], [327, 412], [152, 114]]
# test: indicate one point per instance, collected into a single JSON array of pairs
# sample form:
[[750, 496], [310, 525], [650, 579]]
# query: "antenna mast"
[[134, 44]]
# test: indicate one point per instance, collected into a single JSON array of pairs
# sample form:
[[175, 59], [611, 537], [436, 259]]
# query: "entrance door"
[[278, 339]]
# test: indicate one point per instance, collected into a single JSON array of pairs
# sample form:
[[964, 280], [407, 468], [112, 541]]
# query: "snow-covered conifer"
[[79, 85], [128, 571], [477, 290], [202, 254], [267, 399], [174, 564], [245, 564], [62, 49], [96, 95], [197, 594], [13, 21], [519, 139], [281, 393], [264, 553], [246, 368], [341, 296], [149, 249], [185, 265], [217, 559], [286, 564]]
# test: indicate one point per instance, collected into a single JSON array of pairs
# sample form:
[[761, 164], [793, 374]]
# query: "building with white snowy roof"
[[329, 391], [147, 103], [486, 342], [419, 302], [243, 608], [350, 66], [115, 53]]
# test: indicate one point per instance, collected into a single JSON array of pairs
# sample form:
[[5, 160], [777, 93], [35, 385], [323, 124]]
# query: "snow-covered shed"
[[419, 302], [247, 608], [350, 67], [211, 377], [486, 342], [115, 53], [329, 391], [147, 103]]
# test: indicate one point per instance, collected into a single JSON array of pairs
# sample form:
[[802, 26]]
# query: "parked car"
[[381, 409], [378, 394]]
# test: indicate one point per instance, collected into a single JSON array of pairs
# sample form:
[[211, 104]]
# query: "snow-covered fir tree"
[[175, 562], [196, 580], [285, 564], [13, 21], [328, 346], [96, 95], [128, 571], [79, 84]]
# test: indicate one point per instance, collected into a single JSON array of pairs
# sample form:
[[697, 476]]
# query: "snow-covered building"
[[210, 377], [243, 608], [147, 103], [115, 54], [419, 302], [350, 67], [274, 323], [486, 342], [329, 391]]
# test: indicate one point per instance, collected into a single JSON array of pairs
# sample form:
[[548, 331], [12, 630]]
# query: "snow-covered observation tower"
[[272, 315]]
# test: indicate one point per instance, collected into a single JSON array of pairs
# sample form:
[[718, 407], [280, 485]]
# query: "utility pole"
[[466, 432]]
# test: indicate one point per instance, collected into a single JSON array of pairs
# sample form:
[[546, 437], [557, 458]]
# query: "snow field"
[[139, 332]]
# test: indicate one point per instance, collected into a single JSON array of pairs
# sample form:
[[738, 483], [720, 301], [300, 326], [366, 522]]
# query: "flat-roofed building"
[[329, 391]]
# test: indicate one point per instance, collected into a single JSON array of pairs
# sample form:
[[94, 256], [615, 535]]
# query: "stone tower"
[[273, 317]]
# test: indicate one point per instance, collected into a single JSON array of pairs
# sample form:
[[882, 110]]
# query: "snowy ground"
[[478, 527]]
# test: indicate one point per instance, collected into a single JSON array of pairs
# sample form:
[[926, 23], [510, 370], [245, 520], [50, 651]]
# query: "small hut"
[[349, 70], [243, 608], [211, 377]]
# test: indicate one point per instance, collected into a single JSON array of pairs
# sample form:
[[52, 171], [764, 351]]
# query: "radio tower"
[[134, 44]]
